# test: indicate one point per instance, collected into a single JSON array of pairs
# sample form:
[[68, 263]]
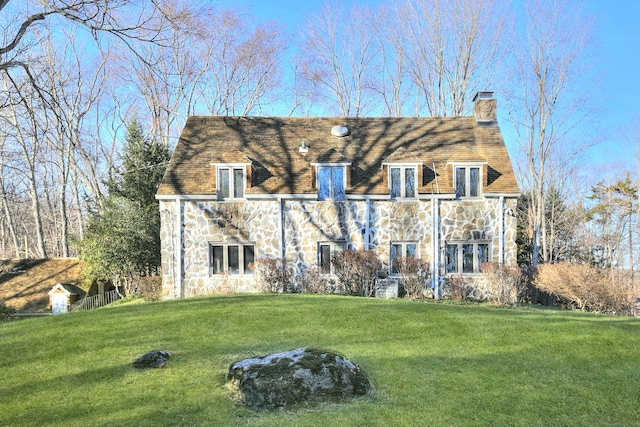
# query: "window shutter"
[[484, 171], [314, 172], [385, 176]]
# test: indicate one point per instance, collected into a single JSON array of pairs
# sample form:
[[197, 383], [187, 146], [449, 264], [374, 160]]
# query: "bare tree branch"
[[21, 32]]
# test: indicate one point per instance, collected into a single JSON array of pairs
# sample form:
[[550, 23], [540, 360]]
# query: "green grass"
[[430, 363]]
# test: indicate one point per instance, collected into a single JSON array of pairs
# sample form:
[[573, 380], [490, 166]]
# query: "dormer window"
[[331, 172], [403, 170], [402, 182], [468, 181], [230, 183], [331, 182], [231, 175], [230, 180]]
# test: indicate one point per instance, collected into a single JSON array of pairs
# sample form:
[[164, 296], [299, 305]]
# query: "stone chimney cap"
[[483, 95]]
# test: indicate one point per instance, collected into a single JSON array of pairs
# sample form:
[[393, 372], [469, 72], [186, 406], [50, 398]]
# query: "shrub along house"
[[238, 189]]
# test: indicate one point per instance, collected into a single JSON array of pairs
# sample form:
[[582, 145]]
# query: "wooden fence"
[[96, 301]]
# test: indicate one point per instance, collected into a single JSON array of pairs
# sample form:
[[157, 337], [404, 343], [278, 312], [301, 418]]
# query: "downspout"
[[366, 224], [280, 228], [178, 285], [501, 231], [435, 241]]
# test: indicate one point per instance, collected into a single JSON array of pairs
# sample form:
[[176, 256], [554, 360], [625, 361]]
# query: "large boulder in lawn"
[[153, 359], [296, 377]]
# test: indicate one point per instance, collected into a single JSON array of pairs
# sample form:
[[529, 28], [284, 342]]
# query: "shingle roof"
[[67, 288], [331, 156], [402, 155], [272, 145]]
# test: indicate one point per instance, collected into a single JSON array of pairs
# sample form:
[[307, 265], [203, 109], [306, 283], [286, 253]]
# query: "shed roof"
[[67, 289]]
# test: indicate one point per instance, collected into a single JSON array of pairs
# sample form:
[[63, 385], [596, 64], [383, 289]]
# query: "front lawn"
[[430, 363]]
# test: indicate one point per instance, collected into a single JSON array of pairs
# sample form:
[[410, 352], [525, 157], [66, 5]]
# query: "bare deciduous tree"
[[27, 134], [212, 63], [244, 66], [340, 50], [128, 22], [74, 87], [5, 193], [393, 84], [452, 50], [547, 101]]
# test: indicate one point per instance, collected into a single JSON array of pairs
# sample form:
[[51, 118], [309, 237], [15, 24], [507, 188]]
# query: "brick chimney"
[[484, 108]]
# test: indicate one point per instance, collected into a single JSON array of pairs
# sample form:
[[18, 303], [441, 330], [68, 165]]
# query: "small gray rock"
[[296, 377], [153, 359]]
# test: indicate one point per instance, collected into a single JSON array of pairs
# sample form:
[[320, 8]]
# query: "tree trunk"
[[37, 217], [8, 215], [78, 207], [64, 232]]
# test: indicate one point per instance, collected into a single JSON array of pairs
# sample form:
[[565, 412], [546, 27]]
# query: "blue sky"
[[617, 65], [618, 47]]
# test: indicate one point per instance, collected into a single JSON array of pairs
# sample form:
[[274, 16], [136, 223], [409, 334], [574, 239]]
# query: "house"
[[238, 189]]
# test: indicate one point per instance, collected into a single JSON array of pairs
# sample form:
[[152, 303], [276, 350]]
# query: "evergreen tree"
[[143, 164], [123, 236], [614, 216]]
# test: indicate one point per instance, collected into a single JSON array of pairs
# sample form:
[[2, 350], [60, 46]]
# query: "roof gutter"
[[312, 197]]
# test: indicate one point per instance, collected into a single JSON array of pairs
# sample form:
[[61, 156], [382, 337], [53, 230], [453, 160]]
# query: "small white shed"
[[62, 296]]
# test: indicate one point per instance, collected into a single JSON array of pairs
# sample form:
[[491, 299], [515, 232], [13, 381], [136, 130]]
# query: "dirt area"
[[25, 283]]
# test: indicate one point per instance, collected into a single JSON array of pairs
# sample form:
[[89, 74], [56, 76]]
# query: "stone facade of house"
[[241, 189], [293, 229]]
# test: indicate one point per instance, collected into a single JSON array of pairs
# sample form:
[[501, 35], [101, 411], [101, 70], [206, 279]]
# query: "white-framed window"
[[230, 181], [468, 182], [466, 257], [402, 181], [326, 250], [331, 182], [401, 250], [231, 258]]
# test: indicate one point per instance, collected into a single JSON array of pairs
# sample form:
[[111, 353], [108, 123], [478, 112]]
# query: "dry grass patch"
[[25, 283]]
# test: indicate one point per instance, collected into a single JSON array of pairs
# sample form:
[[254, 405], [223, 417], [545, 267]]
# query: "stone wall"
[[480, 220], [203, 222], [188, 227], [310, 222]]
